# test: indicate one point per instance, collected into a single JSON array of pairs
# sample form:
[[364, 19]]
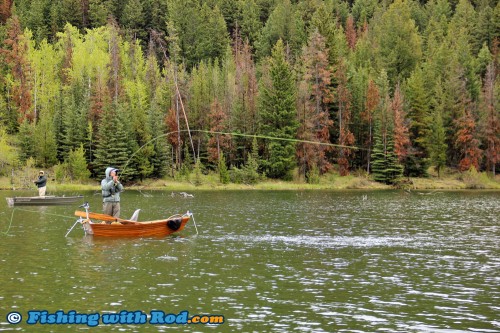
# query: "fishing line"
[[30, 211], [258, 136]]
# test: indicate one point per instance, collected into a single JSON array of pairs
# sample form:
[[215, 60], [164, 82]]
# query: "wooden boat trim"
[[126, 228]]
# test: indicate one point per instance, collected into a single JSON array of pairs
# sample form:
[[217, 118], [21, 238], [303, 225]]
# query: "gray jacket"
[[110, 190]]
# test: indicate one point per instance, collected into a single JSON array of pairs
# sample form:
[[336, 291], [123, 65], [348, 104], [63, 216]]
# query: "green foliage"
[[187, 164], [437, 144], [417, 97], [8, 157], [285, 24], [45, 143], [385, 166], [313, 176], [133, 18], [77, 165], [201, 30], [223, 172], [197, 173], [399, 44], [26, 141], [278, 114], [75, 78], [114, 145]]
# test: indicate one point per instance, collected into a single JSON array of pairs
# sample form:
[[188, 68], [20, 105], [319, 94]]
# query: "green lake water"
[[268, 261]]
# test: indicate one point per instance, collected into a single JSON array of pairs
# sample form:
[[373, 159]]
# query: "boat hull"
[[42, 201], [136, 229]]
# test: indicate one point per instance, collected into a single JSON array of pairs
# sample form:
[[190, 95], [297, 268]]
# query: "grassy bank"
[[448, 181]]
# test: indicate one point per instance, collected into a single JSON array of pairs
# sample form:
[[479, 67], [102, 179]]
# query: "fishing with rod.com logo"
[[124, 317]]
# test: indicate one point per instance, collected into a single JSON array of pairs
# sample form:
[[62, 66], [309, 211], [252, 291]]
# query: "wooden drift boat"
[[116, 227], [47, 200]]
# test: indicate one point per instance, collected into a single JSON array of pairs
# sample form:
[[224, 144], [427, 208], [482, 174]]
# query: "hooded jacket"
[[110, 190]]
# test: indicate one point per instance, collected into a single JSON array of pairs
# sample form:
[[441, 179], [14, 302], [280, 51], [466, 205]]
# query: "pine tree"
[[5, 10], [418, 114], [314, 96], [398, 41], [77, 164], [343, 100], [401, 136], [218, 143], [350, 32], [27, 141], [45, 142], [467, 142], [372, 104], [278, 114], [243, 116], [18, 81], [99, 11], [385, 165], [248, 21], [223, 172], [436, 140], [285, 24], [113, 145], [133, 19], [490, 120]]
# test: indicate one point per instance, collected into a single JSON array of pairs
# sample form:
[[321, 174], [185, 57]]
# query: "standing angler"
[[41, 183], [111, 188]]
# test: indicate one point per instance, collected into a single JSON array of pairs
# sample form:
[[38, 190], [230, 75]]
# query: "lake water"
[[268, 261]]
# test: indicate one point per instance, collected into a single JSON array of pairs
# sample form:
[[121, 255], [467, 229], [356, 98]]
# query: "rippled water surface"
[[267, 261]]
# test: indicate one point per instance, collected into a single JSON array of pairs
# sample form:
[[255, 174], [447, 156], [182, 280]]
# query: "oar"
[[104, 217]]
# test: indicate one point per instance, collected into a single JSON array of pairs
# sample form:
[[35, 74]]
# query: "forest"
[[250, 88]]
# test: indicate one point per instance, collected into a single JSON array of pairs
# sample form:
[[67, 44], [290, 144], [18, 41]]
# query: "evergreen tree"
[[363, 11], [113, 145], [223, 172], [45, 142], [278, 114], [385, 165], [133, 19], [248, 20], [315, 94], [217, 143], [26, 141], [436, 140], [372, 104], [244, 115], [8, 158], [399, 44], [36, 20], [99, 10], [77, 164], [284, 23], [401, 136], [467, 142], [417, 97], [161, 156], [18, 81], [5, 10], [201, 30], [343, 101], [490, 120]]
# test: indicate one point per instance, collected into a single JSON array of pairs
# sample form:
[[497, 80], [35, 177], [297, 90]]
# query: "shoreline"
[[329, 182]]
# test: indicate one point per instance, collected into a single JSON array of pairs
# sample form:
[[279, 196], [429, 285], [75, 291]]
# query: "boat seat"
[[135, 216]]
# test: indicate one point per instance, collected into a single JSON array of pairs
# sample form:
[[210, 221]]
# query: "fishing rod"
[[258, 136]]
